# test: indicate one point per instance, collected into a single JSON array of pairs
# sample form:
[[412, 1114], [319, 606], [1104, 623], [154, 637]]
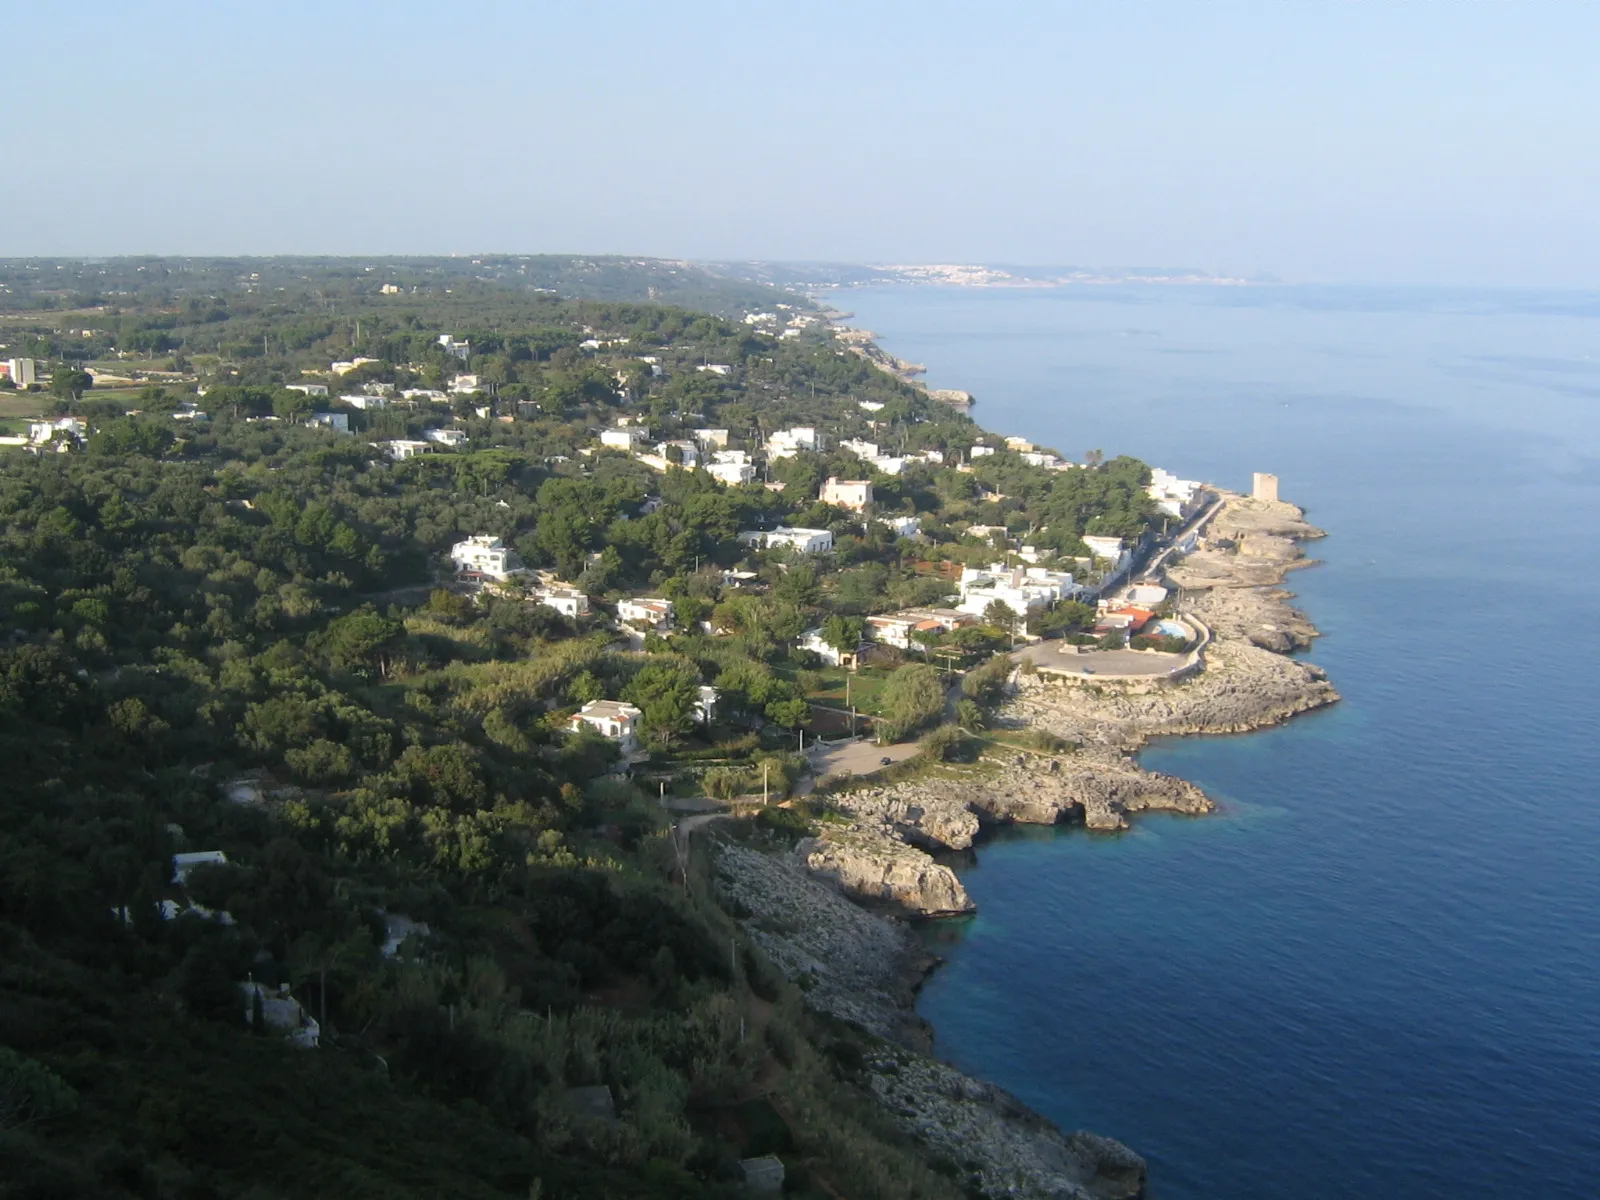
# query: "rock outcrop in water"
[[864, 968]]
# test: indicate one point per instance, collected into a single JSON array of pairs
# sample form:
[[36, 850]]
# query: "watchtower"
[[1264, 486]]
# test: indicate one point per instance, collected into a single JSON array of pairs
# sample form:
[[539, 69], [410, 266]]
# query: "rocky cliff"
[[863, 968]]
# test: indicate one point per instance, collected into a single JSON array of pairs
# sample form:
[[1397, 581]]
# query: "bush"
[[947, 743], [31, 1092]]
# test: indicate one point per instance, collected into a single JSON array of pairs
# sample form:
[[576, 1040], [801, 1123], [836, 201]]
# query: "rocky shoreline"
[[831, 914]]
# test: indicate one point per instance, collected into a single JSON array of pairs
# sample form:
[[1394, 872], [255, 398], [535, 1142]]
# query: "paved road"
[[858, 758], [1115, 663]]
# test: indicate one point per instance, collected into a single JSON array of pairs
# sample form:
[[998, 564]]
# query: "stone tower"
[[1264, 487]]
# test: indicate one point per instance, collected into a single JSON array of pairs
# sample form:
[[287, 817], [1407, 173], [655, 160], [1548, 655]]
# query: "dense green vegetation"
[[242, 634]]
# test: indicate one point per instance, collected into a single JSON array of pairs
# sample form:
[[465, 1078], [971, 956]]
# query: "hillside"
[[233, 632]]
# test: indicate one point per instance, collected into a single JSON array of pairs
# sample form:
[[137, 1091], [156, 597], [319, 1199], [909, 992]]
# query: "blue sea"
[[1375, 971]]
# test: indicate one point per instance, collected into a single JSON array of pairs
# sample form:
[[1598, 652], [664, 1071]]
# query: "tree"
[[361, 642], [843, 633], [665, 691], [1001, 615], [70, 382], [912, 698]]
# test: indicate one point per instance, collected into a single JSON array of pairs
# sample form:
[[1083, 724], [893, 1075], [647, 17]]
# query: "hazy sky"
[[1428, 141]]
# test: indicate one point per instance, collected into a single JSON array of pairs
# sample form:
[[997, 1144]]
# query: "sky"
[[1451, 142]]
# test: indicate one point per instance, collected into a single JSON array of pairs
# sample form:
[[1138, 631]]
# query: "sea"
[[1375, 970]]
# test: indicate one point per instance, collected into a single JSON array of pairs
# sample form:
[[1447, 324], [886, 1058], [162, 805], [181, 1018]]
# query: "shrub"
[[31, 1092]]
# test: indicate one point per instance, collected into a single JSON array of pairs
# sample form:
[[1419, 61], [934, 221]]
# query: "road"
[[858, 758], [1057, 655]]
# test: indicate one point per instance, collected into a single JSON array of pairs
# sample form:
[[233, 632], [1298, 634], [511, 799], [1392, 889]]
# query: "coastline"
[[833, 911]]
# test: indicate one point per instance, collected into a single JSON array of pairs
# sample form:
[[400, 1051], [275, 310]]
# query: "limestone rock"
[[866, 863]]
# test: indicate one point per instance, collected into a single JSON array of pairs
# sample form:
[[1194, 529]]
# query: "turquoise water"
[[1375, 971]]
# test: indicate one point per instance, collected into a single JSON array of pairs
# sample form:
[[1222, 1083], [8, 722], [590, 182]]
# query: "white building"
[[364, 401], [1019, 444], [981, 452], [71, 428], [712, 439], [612, 719], [652, 611], [451, 346], [1108, 548], [732, 472], [431, 395], [869, 405], [338, 422], [1173, 496], [463, 385], [308, 389], [737, 457], [400, 449], [705, 705], [1020, 588], [625, 437], [485, 556], [1037, 458], [811, 640], [182, 864], [903, 526], [716, 368], [786, 443], [688, 456], [860, 448], [446, 437], [854, 494], [23, 371], [895, 629], [281, 1013], [568, 601], [344, 368], [806, 541]]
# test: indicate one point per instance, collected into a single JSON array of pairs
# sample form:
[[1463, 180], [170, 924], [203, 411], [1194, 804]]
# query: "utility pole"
[[764, 767]]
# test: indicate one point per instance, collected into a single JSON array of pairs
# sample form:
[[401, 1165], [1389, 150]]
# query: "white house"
[[869, 405], [23, 371], [860, 448], [1173, 496], [1019, 444], [624, 438], [401, 449], [732, 473], [786, 443], [712, 439], [646, 610], [716, 368], [895, 629], [612, 719], [705, 705], [182, 864], [688, 453], [431, 395], [732, 457], [806, 541], [463, 385], [1036, 458], [811, 640], [364, 401], [568, 601], [485, 556], [281, 1013], [75, 428], [903, 526], [344, 368], [889, 464], [981, 452], [1019, 588], [854, 494], [308, 389], [338, 422], [446, 437], [451, 346], [1108, 548]]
